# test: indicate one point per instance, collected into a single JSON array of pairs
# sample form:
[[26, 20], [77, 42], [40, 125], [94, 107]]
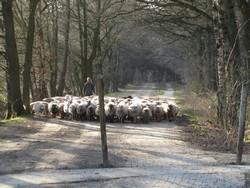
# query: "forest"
[[48, 48]]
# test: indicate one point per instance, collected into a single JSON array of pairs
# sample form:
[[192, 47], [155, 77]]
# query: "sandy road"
[[51, 144]]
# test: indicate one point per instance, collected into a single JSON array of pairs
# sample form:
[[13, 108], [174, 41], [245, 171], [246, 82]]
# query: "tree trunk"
[[242, 122], [95, 46], [42, 85], [100, 88], [14, 91], [61, 84], [28, 54], [82, 42], [212, 79], [8, 112], [54, 49], [89, 69], [218, 19]]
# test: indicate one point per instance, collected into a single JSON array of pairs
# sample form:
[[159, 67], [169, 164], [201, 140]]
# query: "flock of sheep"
[[122, 109]]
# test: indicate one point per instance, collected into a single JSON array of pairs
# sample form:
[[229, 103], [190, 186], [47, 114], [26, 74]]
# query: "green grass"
[[180, 101], [15, 120], [194, 116]]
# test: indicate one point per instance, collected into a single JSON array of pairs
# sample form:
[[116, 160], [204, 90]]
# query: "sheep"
[[58, 99], [76, 99], [122, 111], [97, 111], [94, 100], [172, 112], [48, 100], [165, 107], [73, 111], [134, 110], [110, 111], [112, 99], [81, 110], [68, 98], [158, 113], [66, 107], [146, 114], [53, 109], [61, 110], [90, 113], [39, 107]]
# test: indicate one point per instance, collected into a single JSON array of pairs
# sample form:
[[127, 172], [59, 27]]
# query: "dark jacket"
[[88, 89]]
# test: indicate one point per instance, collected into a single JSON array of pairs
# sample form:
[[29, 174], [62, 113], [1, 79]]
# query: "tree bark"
[[8, 112], [54, 49], [100, 86], [218, 21], [82, 42], [242, 122], [13, 79], [61, 84], [212, 79], [28, 54], [85, 38], [42, 84], [96, 44]]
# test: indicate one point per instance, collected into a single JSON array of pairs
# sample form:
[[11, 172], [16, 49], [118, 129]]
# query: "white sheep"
[[90, 113], [39, 107], [81, 110], [172, 112], [146, 114], [158, 112], [110, 111], [122, 111], [134, 110]]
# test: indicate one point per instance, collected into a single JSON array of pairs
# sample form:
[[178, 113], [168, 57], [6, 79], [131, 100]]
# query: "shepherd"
[[89, 88]]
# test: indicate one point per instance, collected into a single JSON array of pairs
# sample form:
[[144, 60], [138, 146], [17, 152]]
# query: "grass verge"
[[200, 111], [16, 120]]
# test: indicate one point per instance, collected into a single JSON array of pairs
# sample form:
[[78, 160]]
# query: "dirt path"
[[50, 144], [145, 89]]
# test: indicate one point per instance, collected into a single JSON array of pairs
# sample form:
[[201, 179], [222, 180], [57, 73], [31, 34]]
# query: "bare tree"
[[28, 54], [53, 45], [218, 16], [15, 104], [61, 84], [83, 39]]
